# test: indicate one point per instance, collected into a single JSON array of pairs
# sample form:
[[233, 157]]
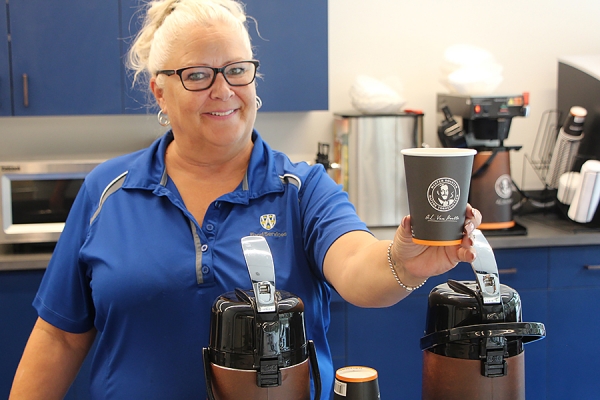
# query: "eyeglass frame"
[[170, 72]]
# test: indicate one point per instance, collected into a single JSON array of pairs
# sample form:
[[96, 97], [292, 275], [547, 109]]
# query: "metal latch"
[[268, 374], [493, 364]]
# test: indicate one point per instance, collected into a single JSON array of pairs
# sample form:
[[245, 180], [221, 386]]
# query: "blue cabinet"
[[291, 48], [573, 323], [67, 57], [61, 58], [17, 316]]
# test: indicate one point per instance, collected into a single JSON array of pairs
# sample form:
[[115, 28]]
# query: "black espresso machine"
[[483, 123]]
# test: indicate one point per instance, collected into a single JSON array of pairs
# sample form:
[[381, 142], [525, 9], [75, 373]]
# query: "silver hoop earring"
[[163, 119], [258, 103]]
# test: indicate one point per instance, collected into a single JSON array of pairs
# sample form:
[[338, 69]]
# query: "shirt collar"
[[148, 171]]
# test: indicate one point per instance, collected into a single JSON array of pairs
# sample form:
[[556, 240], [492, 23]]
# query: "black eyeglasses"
[[195, 79]]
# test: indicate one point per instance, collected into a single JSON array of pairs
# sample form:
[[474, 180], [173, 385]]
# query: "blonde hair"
[[164, 20]]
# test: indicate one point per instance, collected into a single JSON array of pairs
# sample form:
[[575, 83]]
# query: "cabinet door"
[[5, 102], [573, 350], [575, 267], [573, 323], [388, 339], [17, 316], [291, 48], [69, 52]]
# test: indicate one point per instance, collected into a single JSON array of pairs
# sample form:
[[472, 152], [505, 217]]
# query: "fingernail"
[[469, 227], [403, 223]]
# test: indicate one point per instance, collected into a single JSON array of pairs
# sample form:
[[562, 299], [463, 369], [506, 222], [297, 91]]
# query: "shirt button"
[[204, 247], [210, 227], [205, 270]]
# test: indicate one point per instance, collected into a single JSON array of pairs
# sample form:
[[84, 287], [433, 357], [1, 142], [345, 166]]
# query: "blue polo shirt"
[[134, 263]]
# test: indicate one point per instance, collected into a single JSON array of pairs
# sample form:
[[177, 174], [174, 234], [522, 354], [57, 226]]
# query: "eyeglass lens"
[[236, 74]]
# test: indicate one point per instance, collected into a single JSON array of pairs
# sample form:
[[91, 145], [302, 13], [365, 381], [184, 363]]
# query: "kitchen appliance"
[[473, 347], [483, 124], [36, 196], [258, 348], [367, 149]]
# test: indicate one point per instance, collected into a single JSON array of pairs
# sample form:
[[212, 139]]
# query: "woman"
[[154, 237]]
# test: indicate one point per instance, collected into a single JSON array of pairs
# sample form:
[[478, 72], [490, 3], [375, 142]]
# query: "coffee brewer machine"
[[484, 123], [258, 348]]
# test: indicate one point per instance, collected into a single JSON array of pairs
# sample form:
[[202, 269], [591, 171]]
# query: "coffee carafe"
[[474, 336], [258, 347]]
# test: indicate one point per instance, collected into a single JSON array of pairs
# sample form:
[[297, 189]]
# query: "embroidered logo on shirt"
[[268, 221]]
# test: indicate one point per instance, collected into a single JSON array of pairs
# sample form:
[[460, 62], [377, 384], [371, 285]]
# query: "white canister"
[[585, 201]]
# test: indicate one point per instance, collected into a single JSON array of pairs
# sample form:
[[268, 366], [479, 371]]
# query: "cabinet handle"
[[507, 271], [592, 267], [25, 91]]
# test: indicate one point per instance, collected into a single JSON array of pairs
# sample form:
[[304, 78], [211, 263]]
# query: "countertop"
[[544, 229]]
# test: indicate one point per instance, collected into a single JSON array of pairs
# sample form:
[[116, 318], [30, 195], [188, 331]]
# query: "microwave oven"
[[36, 197]]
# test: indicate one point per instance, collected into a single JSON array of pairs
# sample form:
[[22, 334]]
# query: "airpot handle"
[[486, 270], [262, 274]]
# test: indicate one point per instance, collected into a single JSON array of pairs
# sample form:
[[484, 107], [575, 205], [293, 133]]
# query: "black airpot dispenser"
[[473, 347], [258, 347]]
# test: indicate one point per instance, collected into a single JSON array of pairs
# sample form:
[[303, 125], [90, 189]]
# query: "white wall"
[[379, 38], [408, 39]]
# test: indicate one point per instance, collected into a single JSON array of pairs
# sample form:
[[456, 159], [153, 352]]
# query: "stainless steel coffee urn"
[[367, 149], [258, 348], [474, 337]]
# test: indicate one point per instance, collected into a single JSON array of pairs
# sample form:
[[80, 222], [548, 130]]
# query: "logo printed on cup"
[[443, 194]]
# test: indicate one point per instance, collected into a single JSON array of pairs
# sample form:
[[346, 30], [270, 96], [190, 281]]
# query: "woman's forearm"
[[50, 362]]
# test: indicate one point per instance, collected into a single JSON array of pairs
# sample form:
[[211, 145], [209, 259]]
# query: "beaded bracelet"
[[407, 288]]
